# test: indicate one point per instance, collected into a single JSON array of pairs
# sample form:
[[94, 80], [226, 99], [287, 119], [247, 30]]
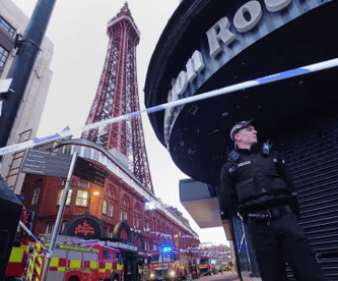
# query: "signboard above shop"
[[208, 45]]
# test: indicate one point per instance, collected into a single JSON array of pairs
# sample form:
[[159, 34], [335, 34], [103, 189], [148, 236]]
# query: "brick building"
[[122, 198]]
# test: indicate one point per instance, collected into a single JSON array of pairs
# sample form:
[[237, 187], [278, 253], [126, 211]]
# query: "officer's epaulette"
[[234, 156]]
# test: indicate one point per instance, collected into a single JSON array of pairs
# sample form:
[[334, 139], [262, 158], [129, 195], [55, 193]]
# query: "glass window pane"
[[69, 197], [82, 198], [6, 26], [105, 253], [35, 198], [3, 56], [110, 210], [104, 207]]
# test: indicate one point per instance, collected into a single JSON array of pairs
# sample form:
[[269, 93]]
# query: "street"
[[220, 277]]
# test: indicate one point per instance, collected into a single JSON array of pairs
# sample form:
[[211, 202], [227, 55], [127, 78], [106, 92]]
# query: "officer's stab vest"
[[254, 175]]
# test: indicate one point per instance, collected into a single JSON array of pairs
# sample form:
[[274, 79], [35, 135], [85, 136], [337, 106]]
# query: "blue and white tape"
[[226, 90]]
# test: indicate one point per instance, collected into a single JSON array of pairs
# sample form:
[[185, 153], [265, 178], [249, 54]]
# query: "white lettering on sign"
[[181, 83], [219, 32], [195, 64], [253, 10], [244, 163], [245, 19], [276, 5]]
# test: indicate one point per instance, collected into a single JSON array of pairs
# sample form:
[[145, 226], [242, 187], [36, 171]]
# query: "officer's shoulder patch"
[[234, 156]]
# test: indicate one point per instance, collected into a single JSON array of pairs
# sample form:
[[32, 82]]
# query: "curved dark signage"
[[209, 46], [122, 232], [138, 241], [85, 226], [228, 37]]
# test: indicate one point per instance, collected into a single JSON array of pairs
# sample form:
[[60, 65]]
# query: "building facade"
[[211, 45], [12, 22], [124, 195], [122, 198]]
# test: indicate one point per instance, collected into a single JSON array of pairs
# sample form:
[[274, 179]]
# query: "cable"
[[226, 90]]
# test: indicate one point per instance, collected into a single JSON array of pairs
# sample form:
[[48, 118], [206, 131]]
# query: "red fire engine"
[[92, 263], [68, 263], [205, 267], [169, 264], [18, 259]]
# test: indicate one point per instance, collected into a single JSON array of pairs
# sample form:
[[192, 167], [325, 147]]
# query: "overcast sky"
[[78, 31]]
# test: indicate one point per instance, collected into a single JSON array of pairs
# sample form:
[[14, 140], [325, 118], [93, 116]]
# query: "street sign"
[[5, 84], [46, 163]]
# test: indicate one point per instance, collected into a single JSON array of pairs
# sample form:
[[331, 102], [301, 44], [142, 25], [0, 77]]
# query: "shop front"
[[211, 44]]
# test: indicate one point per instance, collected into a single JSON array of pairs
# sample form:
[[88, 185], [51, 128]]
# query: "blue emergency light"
[[167, 249]]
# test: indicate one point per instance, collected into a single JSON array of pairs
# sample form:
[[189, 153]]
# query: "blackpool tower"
[[117, 95]]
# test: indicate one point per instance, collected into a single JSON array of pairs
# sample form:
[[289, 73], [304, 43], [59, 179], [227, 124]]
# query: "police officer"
[[256, 187]]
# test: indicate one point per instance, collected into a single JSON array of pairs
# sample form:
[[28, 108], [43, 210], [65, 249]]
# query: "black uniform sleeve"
[[227, 195], [284, 172]]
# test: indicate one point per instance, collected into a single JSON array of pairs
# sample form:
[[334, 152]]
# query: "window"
[[67, 149], [49, 228], [82, 198], [83, 184], [7, 27], [121, 215], [110, 210], [3, 56], [69, 197], [96, 155], [125, 215], [119, 257], [104, 207], [111, 191], [105, 253], [87, 152], [35, 198], [77, 149]]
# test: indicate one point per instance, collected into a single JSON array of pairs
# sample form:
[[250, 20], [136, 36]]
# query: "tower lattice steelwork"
[[117, 94]]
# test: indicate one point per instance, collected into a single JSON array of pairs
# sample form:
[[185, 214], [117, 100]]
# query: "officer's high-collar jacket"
[[253, 182]]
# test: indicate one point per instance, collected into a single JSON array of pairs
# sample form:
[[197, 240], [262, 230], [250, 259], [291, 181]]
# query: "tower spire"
[[117, 95]]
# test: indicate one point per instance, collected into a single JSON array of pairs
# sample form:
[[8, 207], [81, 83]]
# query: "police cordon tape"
[[226, 90], [32, 235]]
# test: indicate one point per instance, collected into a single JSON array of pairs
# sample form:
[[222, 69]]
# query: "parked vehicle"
[[194, 268], [22, 248], [205, 266], [171, 265]]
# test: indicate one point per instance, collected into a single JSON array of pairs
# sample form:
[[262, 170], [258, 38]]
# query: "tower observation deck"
[[117, 95]]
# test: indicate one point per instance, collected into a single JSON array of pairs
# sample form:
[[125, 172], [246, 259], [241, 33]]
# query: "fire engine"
[[18, 259], [169, 264], [194, 268], [91, 263], [205, 266], [70, 263]]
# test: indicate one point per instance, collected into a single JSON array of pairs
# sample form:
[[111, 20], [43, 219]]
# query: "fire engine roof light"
[[167, 249]]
